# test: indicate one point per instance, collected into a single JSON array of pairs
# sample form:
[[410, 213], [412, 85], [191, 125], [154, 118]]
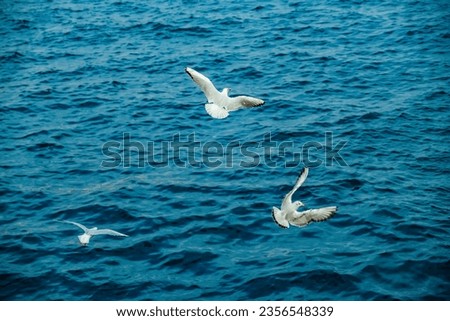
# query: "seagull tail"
[[278, 217], [216, 111]]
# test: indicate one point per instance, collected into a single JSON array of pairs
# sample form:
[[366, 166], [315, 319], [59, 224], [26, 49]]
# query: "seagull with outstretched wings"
[[219, 103], [89, 232], [288, 213]]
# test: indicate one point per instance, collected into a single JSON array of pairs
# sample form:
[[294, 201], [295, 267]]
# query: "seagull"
[[89, 232], [219, 103], [288, 213]]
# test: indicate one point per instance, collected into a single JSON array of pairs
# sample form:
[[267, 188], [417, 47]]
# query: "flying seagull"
[[219, 103], [89, 232], [288, 213]]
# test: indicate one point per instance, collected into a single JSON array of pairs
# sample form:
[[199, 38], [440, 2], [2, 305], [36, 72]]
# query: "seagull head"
[[226, 91], [298, 204]]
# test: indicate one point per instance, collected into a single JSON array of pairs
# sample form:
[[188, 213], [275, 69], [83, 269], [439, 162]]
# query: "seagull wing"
[[216, 111], [315, 215], [300, 180], [107, 232], [243, 102], [81, 226], [204, 83]]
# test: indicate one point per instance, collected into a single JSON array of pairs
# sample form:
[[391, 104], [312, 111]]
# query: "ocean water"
[[356, 90]]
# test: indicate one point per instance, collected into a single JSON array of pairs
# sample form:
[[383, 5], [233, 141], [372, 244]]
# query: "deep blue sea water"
[[76, 75]]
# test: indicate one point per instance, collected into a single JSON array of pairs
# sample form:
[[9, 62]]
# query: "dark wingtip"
[[302, 172], [187, 71]]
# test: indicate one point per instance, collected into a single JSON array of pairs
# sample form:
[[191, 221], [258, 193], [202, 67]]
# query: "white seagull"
[[219, 103], [89, 232], [288, 213]]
